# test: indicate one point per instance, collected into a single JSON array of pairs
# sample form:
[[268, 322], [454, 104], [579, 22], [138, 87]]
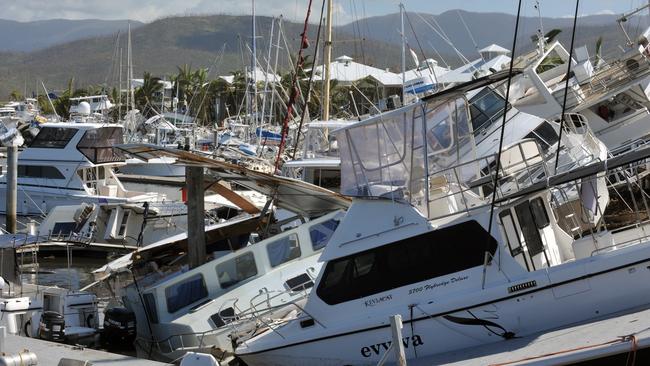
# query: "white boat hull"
[[572, 293]]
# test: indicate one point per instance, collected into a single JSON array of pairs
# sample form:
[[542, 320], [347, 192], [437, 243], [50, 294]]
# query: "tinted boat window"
[[283, 250], [416, 259], [39, 171], [236, 270], [320, 234], [97, 145], [486, 106], [545, 136], [529, 228], [539, 213], [184, 293], [53, 137]]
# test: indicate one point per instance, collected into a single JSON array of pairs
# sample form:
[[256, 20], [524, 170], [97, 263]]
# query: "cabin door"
[[525, 226]]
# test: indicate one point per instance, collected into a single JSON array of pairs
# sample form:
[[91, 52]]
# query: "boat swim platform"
[[607, 341], [50, 353]]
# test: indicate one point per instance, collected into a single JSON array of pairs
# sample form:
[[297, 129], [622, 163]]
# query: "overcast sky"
[[346, 10]]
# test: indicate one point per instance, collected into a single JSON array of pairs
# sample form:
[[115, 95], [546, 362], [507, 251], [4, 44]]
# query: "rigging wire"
[[498, 157], [294, 87], [566, 86], [309, 85], [417, 40], [469, 33], [438, 54]]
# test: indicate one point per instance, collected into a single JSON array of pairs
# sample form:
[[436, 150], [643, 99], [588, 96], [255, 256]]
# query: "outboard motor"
[[119, 326], [52, 327]]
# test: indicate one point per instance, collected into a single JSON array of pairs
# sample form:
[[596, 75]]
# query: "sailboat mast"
[[254, 70], [119, 89], [401, 13], [130, 102], [327, 62]]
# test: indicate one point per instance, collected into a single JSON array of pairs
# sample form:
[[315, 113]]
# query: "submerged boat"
[[256, 262]]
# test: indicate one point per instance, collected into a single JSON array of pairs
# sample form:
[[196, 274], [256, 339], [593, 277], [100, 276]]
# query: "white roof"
[[466, 72], [346, 71], [139, 82], [103, 96], [427, 67], [260, 75], [494, 48]]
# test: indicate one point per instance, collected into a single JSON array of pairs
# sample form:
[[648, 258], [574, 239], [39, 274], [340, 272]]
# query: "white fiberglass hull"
[[562, 295]]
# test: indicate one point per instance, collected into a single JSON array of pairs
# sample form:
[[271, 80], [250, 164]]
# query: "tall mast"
[[130, 101], [401, 13], [119, 89], [327, 62], [254, 70]]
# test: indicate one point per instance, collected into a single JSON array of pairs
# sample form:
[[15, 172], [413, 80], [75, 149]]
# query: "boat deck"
[[50, 353], [621, 334]]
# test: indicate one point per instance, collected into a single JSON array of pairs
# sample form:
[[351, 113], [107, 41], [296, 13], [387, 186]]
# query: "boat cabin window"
[[326, 178], [184, 293], [236, 270], [299, 283], [150, 307], [64, 228], [545, 136], [433, 254], [283, 250], [39, 171], [320, 234], [485, 107], [124, 224], [97, 144], [53, 137], [226, 315], [529, 230], [539, 213]]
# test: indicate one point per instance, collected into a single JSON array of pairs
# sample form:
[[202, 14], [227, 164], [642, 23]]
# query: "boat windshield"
[[393, 155], [97, 144], [53, 137]]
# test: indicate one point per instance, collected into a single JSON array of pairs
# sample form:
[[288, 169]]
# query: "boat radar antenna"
[[498, 157]]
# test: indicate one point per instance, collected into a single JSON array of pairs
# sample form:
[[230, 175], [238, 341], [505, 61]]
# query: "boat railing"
[[261, 305], [209, 339], [468, 186], [620, 71]]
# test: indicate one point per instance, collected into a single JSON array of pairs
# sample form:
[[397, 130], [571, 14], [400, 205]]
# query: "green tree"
[[144, 95], [16, 96]]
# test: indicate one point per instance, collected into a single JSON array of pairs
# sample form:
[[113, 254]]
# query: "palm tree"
[[62, 102], [144, 95], [16, 96]]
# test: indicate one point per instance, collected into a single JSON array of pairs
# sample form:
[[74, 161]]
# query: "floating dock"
[[50, 353]]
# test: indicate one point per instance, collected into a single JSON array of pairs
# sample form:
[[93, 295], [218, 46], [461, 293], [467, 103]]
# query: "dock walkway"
[[50, 353]]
